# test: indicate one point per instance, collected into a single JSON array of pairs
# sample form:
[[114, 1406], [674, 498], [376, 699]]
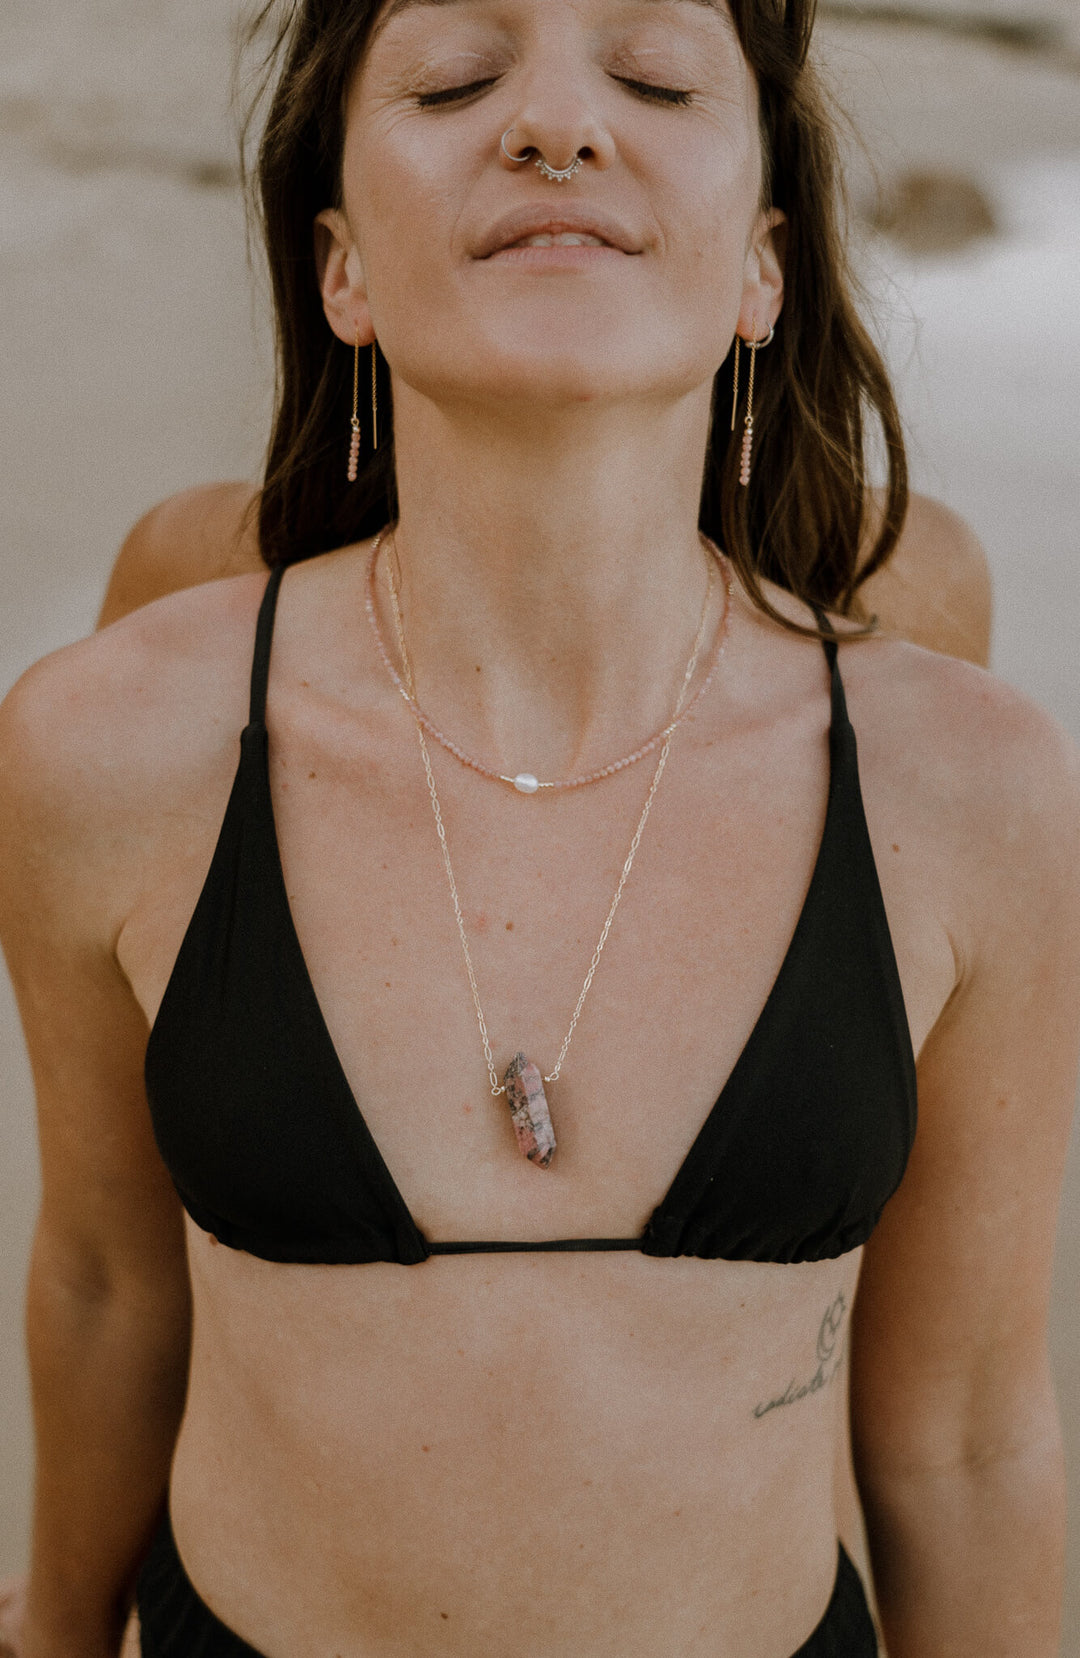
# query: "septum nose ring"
[[558, 175]]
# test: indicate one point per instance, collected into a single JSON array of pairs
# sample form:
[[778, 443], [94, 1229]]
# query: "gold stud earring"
[[354, 446]]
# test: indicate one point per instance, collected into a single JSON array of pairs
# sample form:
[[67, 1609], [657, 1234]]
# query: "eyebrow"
[[399, 6]]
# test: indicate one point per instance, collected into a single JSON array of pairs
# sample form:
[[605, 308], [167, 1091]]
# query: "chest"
[[718, 888]]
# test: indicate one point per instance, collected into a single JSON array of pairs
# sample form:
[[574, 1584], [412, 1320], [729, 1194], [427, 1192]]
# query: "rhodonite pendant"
[[529, 1110]]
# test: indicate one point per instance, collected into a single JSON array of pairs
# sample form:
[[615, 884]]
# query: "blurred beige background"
[[135, 361]]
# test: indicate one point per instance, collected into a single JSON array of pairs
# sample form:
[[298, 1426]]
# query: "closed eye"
[[644, 89], [453, 94], [658, 94]]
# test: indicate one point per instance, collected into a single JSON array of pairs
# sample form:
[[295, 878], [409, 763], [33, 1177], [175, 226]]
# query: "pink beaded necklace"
[[524, 781]]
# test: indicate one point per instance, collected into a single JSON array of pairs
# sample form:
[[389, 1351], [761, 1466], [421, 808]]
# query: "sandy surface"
[[134, 364]]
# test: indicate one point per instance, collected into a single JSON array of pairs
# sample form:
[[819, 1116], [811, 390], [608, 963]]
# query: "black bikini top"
[[270, 1152]]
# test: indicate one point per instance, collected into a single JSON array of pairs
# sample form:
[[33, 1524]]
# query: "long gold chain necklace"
[[523, 1083]]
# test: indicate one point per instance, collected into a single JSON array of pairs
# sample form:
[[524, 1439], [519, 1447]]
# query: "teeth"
[[564, 239]]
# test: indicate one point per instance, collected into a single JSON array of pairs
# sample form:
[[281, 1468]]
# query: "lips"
[[518, 229], [562, 239]]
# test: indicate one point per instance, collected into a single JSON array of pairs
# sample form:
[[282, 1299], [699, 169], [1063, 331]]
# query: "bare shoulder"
[[174, 664], [989, 777], [935, 590], [953, 721], [102, 738], [199, 535]]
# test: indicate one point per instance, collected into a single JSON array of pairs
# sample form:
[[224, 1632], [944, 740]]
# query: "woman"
[[440, 1396]]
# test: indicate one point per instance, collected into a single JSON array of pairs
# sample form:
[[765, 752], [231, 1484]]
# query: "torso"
[[543, 1454]]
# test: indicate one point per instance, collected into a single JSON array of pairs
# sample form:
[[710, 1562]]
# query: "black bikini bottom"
[[177, 1624]]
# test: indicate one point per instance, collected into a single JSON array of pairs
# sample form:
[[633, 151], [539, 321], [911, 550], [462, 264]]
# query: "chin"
[[556, 358], [545, 382], [567, 360]]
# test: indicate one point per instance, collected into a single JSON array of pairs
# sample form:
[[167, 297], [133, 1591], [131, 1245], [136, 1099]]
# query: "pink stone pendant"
[[529, 1110]]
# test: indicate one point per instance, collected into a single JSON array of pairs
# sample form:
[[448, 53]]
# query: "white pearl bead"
[[526, 783]]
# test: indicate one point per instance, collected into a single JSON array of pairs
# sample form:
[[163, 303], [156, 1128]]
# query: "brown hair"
[[805, 519]]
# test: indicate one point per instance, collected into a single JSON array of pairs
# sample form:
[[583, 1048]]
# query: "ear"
[[763, 285], [341, 278]]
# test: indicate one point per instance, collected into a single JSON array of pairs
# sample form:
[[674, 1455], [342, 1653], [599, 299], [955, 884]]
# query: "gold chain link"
[[496, 1087]]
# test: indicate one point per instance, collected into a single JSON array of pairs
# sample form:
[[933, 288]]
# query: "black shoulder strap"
[[839, 701], [264, 638]]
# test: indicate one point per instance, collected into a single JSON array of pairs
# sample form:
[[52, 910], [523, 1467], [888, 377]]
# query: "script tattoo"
[[830, 1356]]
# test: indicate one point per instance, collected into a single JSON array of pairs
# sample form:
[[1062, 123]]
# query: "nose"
[[558, 123]]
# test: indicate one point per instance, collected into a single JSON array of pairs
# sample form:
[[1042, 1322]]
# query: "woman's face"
[[657, 98]]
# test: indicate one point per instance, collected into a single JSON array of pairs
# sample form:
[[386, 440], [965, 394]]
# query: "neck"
[[551, 575]]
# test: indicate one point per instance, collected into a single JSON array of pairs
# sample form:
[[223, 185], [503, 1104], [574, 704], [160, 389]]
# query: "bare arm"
[[935, 589], [108, 1302], [956, 1434], [198, 536]]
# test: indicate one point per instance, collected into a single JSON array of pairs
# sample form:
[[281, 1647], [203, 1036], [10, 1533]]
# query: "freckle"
[[425, 1447], [509, 926], [586, 1482], [478, 667], [678, 1511], [213, 1240], [446, 1614], [388, 984], [393, 941], [311, 776], [895, 847], [306, 684], [467, 1110], [461, 1352]]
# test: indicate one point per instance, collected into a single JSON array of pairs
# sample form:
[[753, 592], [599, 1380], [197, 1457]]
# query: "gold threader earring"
[[374, 396], [354, 446], [755, 345]]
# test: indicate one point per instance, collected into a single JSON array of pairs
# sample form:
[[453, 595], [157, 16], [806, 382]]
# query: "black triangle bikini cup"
[[266, 1141]]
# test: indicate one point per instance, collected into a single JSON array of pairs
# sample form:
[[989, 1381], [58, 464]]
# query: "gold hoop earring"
[[374, 397], [354, 445]]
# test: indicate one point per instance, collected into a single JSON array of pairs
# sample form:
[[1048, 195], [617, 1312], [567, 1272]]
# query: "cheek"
[[709, 185], [713, 232], [404, 197]]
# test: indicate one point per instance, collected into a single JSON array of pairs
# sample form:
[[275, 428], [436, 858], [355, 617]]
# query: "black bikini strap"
[[264, 638], [839, 701]]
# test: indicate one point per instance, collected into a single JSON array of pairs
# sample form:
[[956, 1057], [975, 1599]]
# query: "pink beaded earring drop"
[[748, 424], [755, 345], [354, 446]]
